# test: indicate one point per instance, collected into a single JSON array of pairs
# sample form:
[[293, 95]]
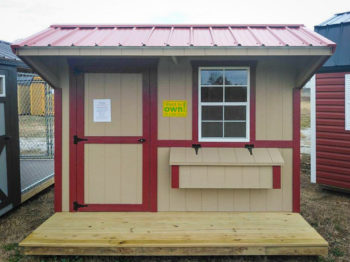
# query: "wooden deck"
[[175, 233]]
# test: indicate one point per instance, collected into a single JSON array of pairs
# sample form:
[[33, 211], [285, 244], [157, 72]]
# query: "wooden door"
[[10, 187], [112, 142]]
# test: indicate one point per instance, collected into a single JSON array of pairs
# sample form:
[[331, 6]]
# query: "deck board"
[[175, 233]]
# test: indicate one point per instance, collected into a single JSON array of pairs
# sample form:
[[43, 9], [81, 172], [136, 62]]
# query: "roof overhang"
[[35, 56], [175, 51]]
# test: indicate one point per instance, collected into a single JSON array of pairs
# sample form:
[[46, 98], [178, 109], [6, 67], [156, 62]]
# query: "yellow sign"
[[174, 108]]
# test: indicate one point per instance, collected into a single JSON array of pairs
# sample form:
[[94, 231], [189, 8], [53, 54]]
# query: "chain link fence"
[[36, 117], [36, 129]]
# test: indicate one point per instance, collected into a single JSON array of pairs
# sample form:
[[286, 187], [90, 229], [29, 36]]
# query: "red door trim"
[[80, 133], [257, 144], [175, 176], [276, 173], [72, 147], [58, 150], [125, 140], [154, 138], [296, 150]]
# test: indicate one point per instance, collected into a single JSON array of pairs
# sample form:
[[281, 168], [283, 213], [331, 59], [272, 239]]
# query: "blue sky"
[[21, 18]]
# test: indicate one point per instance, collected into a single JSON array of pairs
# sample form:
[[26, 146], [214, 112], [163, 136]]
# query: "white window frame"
[[200, 104], [3, 80]]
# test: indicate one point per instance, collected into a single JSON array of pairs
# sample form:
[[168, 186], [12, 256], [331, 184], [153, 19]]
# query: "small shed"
[[166, 133], [20, 178], [330, 156], [10, 184]]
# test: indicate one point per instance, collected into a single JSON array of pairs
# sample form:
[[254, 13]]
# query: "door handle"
[[142, 140], [6, 137]]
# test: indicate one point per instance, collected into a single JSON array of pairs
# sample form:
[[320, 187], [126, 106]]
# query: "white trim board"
[[174, 51], [312, 84], [347, 102]]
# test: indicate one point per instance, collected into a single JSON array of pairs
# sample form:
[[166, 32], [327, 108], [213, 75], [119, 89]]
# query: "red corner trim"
[[296, 150], [72, 147], [276, 172], [175, 177], [77, 151], [58, 150], [252, 103], [153, 205], [195, 105]]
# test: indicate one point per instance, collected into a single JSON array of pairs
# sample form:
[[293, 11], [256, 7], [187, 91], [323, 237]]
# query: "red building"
[[331, 129]]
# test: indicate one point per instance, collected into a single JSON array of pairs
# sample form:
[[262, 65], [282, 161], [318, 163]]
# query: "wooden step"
[[175, 234]]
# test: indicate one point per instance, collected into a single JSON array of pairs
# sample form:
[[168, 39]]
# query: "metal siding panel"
[[287, 36], [332, 140], [340, 34], [244, 37], [159, 37], [175, 35], [347, 102], [336, 19], [265, 37], [223, 37], [180, 37], [202, 37]]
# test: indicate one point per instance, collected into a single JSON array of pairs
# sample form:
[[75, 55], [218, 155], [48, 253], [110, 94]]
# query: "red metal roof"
[[175, 36]]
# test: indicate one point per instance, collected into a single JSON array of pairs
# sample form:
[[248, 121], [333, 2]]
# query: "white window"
[[347, 102], [223, 107], [2, 86]]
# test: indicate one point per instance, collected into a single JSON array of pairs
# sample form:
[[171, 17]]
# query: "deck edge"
[[180, 251]]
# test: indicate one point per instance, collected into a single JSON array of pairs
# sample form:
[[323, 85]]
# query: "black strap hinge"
[[196, 147], [77, 139], [76, 206], [250, 148]]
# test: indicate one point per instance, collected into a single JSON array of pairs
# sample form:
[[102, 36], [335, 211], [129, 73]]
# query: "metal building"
[[26, 131], [330, 154], [10, 187]]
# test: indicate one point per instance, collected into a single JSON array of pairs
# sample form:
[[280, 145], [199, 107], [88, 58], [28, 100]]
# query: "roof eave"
[[172, 50]]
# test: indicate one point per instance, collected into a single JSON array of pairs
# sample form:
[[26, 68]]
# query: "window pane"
[[211, 77], [212, 129], [235, 113], [235, 94], [235, 129], [236, 77], [2, 86], [3, 171], [2, 119], [211, 94], [212, 113]]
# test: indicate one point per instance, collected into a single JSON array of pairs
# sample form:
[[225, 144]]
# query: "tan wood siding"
[[125, 92], [223, 199], [175, 83], [272, 74], [113, 174], [225, 157], [274, 102], [225, 177]]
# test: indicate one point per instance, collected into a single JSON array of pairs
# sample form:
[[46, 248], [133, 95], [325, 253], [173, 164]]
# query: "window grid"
[[223, 104]]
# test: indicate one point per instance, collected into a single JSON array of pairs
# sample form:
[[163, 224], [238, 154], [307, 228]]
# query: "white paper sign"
[[102, 110]]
